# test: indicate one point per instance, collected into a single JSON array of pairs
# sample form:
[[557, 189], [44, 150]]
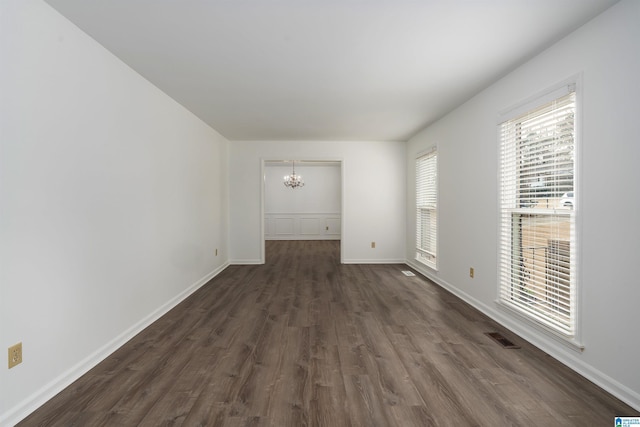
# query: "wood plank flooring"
[[306, 341]]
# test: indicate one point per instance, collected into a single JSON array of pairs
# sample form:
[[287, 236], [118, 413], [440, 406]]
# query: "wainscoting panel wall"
[[302, 226]]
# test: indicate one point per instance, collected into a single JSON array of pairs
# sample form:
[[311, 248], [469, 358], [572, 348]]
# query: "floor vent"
[[497, 336], [408, 273]]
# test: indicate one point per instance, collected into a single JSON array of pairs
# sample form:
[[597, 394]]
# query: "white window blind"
[[537, 231], [426, 208]]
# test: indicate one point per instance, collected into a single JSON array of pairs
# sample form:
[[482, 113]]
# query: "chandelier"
[[293, 180]]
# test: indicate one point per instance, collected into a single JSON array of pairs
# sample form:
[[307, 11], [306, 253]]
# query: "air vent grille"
[[500, 339]]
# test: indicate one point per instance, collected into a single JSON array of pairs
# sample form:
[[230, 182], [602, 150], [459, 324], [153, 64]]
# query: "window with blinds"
[[426, 208], [537, 228]]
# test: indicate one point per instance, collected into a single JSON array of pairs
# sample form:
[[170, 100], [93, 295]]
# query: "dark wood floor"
[[305, 341]]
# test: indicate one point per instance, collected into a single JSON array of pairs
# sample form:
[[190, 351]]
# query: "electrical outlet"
[[373, 245], [15, 355], [471, 272]]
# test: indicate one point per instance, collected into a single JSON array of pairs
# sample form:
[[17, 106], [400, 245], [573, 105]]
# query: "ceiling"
[[325, 69]]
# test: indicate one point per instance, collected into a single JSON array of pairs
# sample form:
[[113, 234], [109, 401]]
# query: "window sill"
[[430, 266], [568, 341]]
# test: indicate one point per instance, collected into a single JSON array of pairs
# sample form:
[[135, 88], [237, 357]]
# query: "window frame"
[[421, 254], [572, 84]]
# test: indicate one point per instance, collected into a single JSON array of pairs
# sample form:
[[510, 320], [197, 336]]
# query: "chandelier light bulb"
[[293, 180]]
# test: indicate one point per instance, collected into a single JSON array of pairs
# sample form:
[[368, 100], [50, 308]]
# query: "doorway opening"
[[312, 212]]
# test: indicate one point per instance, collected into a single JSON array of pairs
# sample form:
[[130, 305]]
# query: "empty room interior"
[[334, 213]]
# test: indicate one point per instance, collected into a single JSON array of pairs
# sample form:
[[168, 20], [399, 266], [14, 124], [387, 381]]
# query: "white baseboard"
[[544, 343], [245, 262], [346, 261], [374, 261], [33, 402], [303, 237]]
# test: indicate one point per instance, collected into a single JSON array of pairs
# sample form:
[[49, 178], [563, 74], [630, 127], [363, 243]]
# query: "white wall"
[[373, 202], [605, 52], [113, 199], [321, 192]]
